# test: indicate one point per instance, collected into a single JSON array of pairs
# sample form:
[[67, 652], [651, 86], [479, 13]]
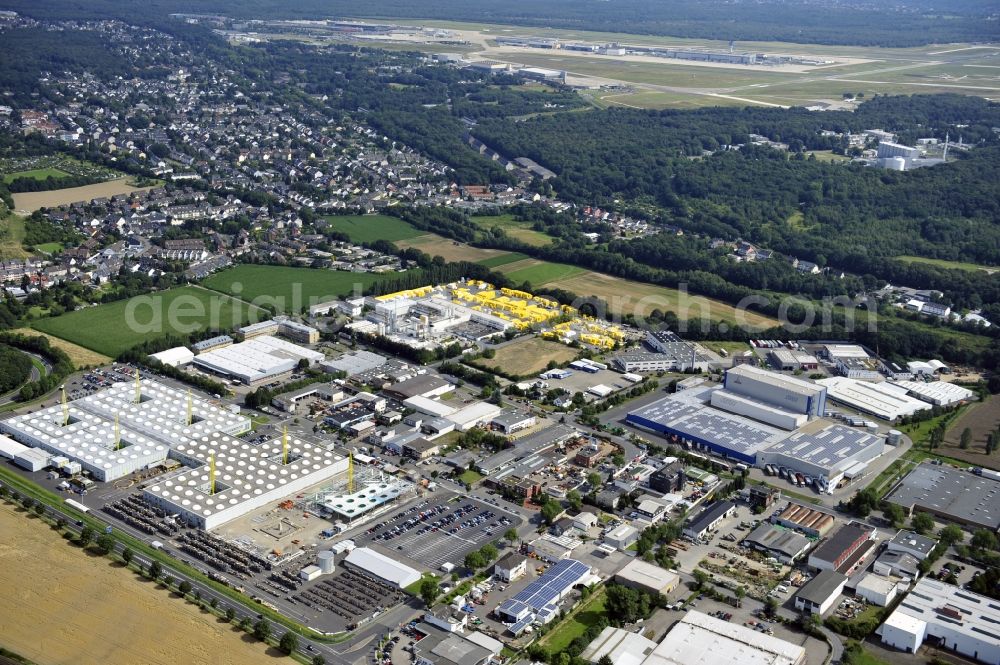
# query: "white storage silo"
[[325, 561]]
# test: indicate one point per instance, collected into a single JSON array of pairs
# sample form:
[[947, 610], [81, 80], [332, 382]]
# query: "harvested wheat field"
[[60, 605], [450, 250], [80, 356], [28, 202]]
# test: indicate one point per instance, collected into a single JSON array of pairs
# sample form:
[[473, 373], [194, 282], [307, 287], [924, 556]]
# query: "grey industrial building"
[[686, 417], [951, 494], [827, 456], [785, 392], [709, 519], [783, 544]]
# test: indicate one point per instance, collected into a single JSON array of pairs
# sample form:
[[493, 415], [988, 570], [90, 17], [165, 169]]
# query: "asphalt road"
[[35, 375]]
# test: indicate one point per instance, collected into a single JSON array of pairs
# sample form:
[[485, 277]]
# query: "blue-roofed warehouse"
[[686, 417]]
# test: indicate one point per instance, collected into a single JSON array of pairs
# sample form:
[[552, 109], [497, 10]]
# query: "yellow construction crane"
[[138, 389], [284, 446], [211, 475], [190, 409], [350, 473], [65, 406], [118, 434]]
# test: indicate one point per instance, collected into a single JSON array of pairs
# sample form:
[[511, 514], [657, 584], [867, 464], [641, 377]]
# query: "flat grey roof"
[[960, 495], [688, 414], [820, 588], [837, 544], [778, 539], [914, 541], [782, 381], [827, 447]]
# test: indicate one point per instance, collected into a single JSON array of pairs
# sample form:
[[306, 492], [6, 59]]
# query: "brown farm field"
[[61, 605], [450, 250], [527, 356], [80, 356], [29, 202], [981, 418], [626, 296]]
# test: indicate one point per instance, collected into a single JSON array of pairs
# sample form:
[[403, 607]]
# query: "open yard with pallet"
[[291, 289], [527, 356], [93, 601], [114, 327]]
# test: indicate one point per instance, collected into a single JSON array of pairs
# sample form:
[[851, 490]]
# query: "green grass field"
[[588, 614], [290, 289], [514, 228], [942, 263], [503, 259], [37, 174], [369, 228], [50, 247], [544, 272], [11, 237], [115, 327]]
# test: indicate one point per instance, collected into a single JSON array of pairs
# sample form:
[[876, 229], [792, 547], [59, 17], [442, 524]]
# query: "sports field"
[[527, 356], [514, 228], [114, 327], [61, 605], [369, 228], [291, 289]]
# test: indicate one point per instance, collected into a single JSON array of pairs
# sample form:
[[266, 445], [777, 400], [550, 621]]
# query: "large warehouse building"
[[85, 431], [686, 417], [827, 456], [247, 477], [256, 360], [764, 418], [699, 639], [130, 427], [957, 619], [785, 392], [877, 399], [382, 567], [952, 494]]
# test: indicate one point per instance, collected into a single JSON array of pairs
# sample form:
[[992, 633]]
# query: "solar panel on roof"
[[519, 627], [547, 588]]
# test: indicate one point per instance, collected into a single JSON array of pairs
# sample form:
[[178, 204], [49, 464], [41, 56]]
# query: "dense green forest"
[[14, 368], [846, 216], [908, 23]]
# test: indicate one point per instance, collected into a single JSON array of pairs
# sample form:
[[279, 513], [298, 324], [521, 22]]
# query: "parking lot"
[[347, 599], [439, 530]]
